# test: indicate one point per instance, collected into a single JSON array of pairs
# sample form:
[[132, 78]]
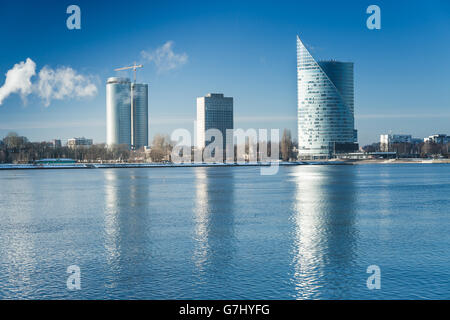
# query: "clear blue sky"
[[244, 49]]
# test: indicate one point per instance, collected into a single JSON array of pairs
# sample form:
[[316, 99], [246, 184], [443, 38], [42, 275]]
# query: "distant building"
[[214, 111], [56, 143], [126, 113], [79, 142], [438, 139], [325, 105], [387, 140]]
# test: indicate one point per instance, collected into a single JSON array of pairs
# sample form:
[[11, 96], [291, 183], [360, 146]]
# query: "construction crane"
[[134, 67]]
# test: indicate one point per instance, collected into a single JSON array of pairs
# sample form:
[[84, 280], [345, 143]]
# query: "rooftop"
[[214, 95], [118, 80]]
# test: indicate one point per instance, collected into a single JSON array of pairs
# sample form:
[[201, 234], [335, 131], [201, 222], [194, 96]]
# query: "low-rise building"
[[56, 143], [387, 140], [79, 142], [438, 139]]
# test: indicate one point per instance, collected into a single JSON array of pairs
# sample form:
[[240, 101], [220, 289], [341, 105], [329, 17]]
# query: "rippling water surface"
[[309, 232]]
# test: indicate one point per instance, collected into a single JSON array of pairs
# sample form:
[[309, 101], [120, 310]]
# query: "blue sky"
[[244, 49]]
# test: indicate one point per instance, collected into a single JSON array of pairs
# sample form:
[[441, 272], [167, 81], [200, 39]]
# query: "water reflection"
[[126, 223], [325, 234], [18, 242], [214, 219]]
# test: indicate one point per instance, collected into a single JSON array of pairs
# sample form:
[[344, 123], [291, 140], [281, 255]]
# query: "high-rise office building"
[[118, 111], [325, 105], [126, 113], [139, 115], [214, 111]]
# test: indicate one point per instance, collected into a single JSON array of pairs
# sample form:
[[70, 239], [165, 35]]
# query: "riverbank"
[[159, 165], [185, 165], [400, 161]]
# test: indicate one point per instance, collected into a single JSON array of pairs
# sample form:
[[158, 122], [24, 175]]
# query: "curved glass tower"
[[118, 111], [126, 113], [325, 106]]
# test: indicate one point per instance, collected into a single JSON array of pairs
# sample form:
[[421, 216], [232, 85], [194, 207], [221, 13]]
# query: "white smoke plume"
[[63, 83], [59, 84], [18, 80], [164, 58]]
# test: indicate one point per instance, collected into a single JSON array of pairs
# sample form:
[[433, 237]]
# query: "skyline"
[[251, 51]]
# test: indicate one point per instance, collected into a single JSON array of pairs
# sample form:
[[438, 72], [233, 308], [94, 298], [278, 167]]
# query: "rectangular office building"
[[214, 111]]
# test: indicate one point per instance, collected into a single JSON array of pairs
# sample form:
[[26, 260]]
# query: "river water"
[[308, 232]]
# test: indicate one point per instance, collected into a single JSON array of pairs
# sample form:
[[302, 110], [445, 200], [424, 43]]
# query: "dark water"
[[309, 232]]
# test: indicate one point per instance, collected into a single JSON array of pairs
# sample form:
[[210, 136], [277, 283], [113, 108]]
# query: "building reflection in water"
[[325, 234], [126, 223], [214, 219]]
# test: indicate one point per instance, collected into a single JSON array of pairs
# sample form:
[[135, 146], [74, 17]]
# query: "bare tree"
[[286, 145], [161, 148], [14, 141]]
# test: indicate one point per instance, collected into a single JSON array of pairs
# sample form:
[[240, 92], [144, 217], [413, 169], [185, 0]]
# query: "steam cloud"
[[164, 58], [18, 80], [63, 83], [51, 84]]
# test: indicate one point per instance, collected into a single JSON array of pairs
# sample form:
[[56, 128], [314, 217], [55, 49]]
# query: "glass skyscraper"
[[325, 106], [126, 113], [139, 135], [118, 111]]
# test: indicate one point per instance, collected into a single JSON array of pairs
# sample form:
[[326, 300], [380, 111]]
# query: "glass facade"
[[118, 111], [140, 115], [126, 122], [325, 105], [214, 111]]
